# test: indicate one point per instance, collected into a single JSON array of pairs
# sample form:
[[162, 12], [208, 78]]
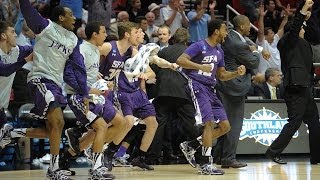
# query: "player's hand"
[[95, 91], [241, 70], [206, 68]]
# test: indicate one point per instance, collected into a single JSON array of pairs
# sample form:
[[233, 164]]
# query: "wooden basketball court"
[[255, 170]]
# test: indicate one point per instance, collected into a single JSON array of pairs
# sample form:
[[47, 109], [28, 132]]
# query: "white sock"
[[97, 160], [206, 151], [22, 132], [54, 162]]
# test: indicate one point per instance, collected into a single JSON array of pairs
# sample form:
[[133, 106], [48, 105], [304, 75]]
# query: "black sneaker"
[[64, 165], [107, 159], [73, 139], [100, 174], [140, 162]]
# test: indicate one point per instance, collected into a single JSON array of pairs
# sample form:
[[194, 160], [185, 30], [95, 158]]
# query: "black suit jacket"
[[296, 56], [263, 91]]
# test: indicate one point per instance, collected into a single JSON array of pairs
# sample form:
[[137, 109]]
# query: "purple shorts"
[[106, 111], [46, 95], [135, 103], [210, 106]]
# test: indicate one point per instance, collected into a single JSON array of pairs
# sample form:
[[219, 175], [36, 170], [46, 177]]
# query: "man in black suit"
[[171, 99], [296, 65], [271, 88]]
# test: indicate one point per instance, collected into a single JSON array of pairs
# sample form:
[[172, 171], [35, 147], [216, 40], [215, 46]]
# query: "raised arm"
[[34, 20], [262, 13], [299, 18]]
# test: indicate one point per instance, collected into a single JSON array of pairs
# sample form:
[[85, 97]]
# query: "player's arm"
[[185, 61], [34, 20], [224, 75]]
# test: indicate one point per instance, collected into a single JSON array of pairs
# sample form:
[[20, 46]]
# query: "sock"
[[112, 149], [54, 162], [97, 160], [22, 132], [206, 151], [142, 153], [122, 150], [196, 143]]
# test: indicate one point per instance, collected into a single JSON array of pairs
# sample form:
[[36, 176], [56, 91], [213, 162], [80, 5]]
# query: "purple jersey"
[[113, 63], [202, 53]]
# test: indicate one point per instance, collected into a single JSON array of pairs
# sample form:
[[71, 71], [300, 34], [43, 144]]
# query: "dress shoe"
[[276, 159], [233, 164]]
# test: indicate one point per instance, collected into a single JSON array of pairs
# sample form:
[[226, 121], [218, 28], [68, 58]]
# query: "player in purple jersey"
[[12, 58], [204, 62], [55, 44]]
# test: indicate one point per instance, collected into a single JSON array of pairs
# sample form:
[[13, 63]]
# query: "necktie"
[[274, 93]]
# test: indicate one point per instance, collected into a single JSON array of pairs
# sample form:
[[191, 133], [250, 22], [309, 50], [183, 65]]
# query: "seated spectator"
[[152, 29], [158, 21], [123, 16], [271, 89], [134, 10]]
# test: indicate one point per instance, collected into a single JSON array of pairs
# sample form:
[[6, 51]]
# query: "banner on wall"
[[264, 126]]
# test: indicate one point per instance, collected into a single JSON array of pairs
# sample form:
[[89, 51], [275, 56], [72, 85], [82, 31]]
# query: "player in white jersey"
[[55, 44], [12, 58]]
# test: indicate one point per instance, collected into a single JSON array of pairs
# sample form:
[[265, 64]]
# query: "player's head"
[[64, 17], [128, 30], [7, 33], [218, 29], [96, 31]]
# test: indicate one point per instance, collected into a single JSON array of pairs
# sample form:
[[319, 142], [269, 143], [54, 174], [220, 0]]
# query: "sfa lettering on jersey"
[[115, 69], [210, 59], [61, 47]]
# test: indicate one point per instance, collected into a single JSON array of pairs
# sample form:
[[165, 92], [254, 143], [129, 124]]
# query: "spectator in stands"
[[123, 16], [250, 9], [174, 15], [152, 29], [269, 40], [134, 10], [158, 21], [296, 58], [273, 15], [199, 19], [100, 10], [270, 89]]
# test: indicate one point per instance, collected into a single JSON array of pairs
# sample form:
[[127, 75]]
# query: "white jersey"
[[91, 56], [51, 51], [6, 82]]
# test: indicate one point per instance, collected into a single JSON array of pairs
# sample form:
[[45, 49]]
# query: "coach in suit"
[[296, 64], [272, 87], [232, 93]]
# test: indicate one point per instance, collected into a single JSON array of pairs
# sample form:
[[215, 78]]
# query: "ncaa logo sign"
[[264, 126]]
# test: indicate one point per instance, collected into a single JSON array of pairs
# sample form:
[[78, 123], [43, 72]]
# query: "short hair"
[[124, 27], [139, 19], [239, 20], [266, 30], [270, 72], [56, 12], [196, 3], [165, 27], [93, 27], [4, 25], [181, 35], [213, 25], [267, 2]]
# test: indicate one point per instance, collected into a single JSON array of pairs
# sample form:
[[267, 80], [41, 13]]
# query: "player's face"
[[10, 36], [101, 36], [133, 37], [68, 20], [222, 33], [140, 38]]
